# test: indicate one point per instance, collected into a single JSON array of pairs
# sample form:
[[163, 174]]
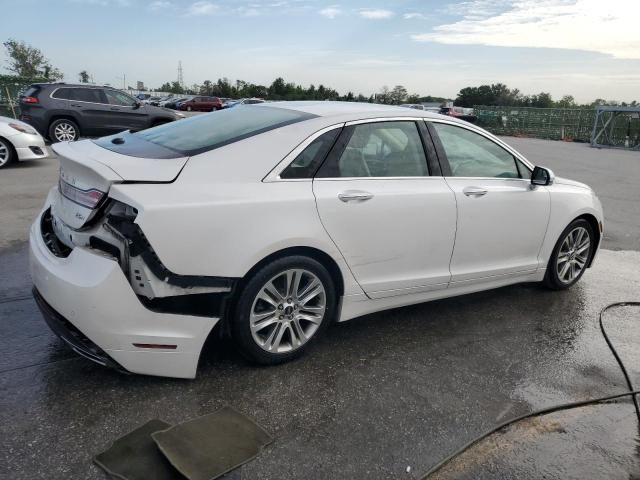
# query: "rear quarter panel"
[[219, 219]]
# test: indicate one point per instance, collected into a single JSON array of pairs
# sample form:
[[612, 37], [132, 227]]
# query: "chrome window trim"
[[333, 179], [274, 174], [384, 119], [82, 101], [488, 136]]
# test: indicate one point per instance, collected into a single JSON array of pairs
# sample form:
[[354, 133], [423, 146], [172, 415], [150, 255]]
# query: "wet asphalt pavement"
[[375, 395]]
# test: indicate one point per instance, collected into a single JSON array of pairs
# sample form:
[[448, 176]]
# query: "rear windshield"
[[200, 133]]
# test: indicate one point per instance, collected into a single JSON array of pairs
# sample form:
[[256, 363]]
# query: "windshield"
[[205, 132]]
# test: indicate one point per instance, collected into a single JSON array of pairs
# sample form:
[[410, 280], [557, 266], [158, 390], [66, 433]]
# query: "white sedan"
[[19, 141], [272, 221]]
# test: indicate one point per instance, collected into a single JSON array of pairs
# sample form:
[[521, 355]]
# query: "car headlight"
[[23, 128], [179, 115]]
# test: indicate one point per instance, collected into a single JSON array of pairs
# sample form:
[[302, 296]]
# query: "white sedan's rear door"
[[393, 222]]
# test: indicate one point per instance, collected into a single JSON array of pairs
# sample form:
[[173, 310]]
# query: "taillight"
[[29, 100], [87, 198]]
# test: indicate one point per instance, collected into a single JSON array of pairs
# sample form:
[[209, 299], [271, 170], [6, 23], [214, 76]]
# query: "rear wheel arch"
[[323, 258]]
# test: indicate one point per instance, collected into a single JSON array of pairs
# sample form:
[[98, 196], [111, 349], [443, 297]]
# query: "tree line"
[[29, 64], [498, 94], [279, 89]]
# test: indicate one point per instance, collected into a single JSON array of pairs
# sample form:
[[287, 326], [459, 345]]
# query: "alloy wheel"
[[573, 255], [287, 311], [5, 154], [65, 132]]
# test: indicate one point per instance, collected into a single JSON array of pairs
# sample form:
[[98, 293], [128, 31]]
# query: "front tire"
[[282, 309], [63, 130], [570, 256], [7, 153]]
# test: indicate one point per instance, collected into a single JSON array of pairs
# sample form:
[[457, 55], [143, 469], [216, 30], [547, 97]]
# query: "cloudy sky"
[[587, 48]]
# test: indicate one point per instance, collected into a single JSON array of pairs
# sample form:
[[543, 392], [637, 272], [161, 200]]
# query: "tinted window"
[[63, 93], [205, 132], [118, 98], [385, 149], [473, 155], [93, 95], [308, 161]]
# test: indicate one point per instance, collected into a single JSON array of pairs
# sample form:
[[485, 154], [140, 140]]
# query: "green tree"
[[206, 88], [398, 95], [566, 101], [27, 61], [83, 76]]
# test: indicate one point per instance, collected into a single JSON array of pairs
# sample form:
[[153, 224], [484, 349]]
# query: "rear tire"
[[64, 130], [7, 153], [282, 309], [570, 256]]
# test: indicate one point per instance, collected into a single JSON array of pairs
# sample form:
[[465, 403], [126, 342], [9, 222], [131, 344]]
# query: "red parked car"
[[202, 104]]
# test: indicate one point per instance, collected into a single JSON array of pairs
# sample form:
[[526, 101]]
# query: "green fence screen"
[[550, 123]]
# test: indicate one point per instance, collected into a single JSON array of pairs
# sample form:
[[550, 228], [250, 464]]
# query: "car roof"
[[348, 111], [73, 85]]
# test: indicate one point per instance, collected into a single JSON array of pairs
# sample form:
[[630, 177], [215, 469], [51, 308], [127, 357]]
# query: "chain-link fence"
[[11, 87], [550, 123]]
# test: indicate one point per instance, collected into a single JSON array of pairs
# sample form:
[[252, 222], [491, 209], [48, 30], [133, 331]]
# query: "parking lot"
[[386, 396]]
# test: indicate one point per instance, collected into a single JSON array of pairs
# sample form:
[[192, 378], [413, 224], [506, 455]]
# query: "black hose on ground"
[[556, 408]]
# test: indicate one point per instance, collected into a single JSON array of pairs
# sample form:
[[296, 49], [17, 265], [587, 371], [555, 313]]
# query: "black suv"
[[63, 111]]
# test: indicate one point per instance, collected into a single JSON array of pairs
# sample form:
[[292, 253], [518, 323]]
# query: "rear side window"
[[198, 134], [63, 94], [308, 161], [93, 95], [380, 149], [79, 94]]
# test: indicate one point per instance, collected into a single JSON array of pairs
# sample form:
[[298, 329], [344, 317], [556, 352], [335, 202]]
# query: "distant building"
[[140, 85]]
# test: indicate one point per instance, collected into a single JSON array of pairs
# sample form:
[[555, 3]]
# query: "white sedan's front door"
[[502, 218], [393, 223]]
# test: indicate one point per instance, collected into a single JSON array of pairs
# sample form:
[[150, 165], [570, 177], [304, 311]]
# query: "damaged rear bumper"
[[87, 293]]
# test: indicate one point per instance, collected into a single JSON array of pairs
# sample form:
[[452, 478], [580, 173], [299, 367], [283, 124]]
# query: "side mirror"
[[137, 105], [542, 176]]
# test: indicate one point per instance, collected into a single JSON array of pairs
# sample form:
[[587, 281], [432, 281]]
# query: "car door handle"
[[474, 191], [115, 108], [354, 196]]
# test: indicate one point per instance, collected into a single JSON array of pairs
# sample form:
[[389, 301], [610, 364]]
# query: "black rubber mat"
[[135, 456], [210, 446]]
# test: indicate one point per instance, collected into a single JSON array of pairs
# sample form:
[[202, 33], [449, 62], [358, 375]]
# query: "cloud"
[[330, 12], [591, 25], [160, 5], [413, 15], [202, 8], [105, 3], [375, 14], [373, 62]]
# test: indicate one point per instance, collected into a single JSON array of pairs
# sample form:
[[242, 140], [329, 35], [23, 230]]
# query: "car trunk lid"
[[87, 171]]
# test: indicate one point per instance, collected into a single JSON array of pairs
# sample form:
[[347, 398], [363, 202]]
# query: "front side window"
[[473, 155], [381, 149], [118, 98], [308, 161]]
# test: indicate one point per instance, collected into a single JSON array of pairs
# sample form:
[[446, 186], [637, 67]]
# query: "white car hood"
[[573, 183]]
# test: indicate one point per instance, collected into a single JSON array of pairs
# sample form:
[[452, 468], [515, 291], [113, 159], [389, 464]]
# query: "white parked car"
[[19, 141], [272, 221]]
